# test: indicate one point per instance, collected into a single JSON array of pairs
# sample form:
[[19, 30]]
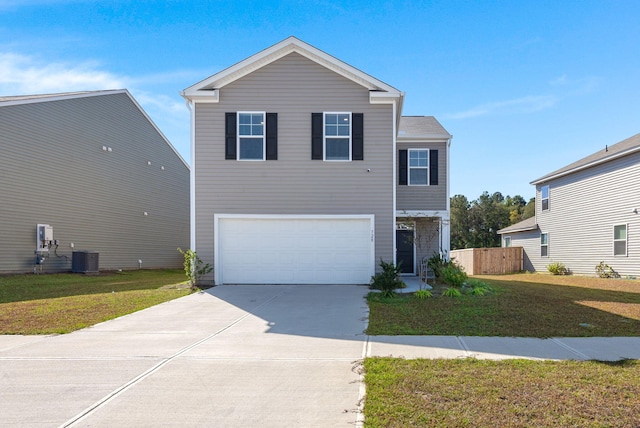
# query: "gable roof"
[[609, 153], [523, 226], [421, 127], [40, 98], [207, 89]]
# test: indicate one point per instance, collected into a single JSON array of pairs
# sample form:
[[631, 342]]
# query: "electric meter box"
[[44, 237]]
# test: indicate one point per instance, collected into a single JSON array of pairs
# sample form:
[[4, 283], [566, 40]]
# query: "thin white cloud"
[[20, 75], [529, 104]]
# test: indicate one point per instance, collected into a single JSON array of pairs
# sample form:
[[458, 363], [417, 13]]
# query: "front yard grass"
[[513, 393], [521, 305], [61, 303]]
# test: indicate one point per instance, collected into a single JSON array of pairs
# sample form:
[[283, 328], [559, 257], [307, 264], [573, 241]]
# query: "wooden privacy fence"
[[489, 261]]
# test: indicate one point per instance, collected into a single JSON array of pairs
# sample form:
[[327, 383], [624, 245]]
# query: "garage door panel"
[[293, 250]]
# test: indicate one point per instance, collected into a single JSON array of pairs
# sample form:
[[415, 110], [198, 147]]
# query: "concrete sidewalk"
[[268, 356]]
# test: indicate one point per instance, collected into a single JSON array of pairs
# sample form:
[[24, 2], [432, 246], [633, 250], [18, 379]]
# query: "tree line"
[[474, 224]]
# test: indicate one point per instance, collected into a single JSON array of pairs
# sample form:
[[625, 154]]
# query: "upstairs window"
[[620, 240], [251, 136], [418, 167], [337, 136], [544, 193]]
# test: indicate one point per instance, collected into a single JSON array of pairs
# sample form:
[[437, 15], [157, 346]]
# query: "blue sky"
[[525, 87]]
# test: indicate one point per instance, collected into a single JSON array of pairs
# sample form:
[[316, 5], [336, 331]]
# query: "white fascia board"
[[277, 51], [436, 138], [208, 96], [443, 214], [585, 166]]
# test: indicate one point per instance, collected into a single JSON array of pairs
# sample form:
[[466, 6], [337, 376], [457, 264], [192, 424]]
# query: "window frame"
[[625, 240], [426, 168], [507, 241], [545, 244], [543, 199], [263, 137], [326, 137]]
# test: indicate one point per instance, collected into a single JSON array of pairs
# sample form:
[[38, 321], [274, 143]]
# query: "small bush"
[[194, 267], [453, 275], [387, 280], [422, 294], [476, 287], [605, 271], [452, 292], [557, 268], [436, 263]]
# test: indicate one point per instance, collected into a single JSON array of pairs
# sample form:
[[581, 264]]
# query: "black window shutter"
[[402, 168], [357, 140], [230, 136], [272, 136], [316, 136], [433, 167]]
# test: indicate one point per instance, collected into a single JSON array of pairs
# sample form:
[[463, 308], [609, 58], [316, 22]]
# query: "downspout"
[[192, 178], [393, 181]]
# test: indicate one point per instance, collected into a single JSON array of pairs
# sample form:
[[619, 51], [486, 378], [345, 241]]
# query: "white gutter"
[[192, 178]]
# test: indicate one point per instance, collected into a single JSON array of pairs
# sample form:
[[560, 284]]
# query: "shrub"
[[436, 263], [387, 280], [194, 267], [557, 268], [453, 275], [476, 287], [605, 271], [452, 292], [422, 294]]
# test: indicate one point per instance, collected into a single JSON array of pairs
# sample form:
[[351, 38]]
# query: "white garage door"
[[294, 250]]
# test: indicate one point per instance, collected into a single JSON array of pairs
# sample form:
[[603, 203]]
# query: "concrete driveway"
[[268, 356]]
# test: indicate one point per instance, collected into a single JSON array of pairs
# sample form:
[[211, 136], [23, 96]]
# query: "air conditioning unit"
[[85, 261]]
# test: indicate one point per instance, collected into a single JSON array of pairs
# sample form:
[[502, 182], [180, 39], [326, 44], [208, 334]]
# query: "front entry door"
[[404, 250]]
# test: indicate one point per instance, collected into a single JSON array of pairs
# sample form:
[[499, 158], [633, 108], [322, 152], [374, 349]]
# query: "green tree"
[[460, 233]]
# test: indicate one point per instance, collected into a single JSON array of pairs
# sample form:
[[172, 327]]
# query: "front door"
[[404, 250]]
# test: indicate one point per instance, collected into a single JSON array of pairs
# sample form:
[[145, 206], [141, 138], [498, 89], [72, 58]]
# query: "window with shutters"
[[418, 167], [251, 136], [337, 136]]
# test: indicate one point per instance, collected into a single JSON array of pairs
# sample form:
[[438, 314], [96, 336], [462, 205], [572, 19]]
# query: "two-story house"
[[586, 213], [305, 172], [88, 172]]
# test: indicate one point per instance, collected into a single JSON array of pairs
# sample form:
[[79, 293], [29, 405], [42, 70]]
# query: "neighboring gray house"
[[586, 213], [305, 172], [94, 173]]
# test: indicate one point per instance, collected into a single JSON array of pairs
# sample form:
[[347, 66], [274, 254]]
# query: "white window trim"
[[264, 136], [543, 198], [417, 167], [625, 240], [507, 240], [546, 245], [325, 137]]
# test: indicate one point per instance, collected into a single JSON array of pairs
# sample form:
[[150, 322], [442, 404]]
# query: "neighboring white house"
[[305, 172], [586, 213], [88, 171]]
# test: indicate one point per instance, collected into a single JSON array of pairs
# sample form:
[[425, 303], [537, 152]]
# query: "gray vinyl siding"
[[530, 243], [432, 197], [294, 87], [584, 207], [55, 172]]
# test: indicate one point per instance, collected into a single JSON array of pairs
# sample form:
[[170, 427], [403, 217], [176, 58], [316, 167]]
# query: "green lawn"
[[61, 303], [511, 393], [525, 305]]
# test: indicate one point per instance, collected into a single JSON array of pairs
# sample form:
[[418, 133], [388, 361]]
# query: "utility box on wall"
[[85, 261]]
